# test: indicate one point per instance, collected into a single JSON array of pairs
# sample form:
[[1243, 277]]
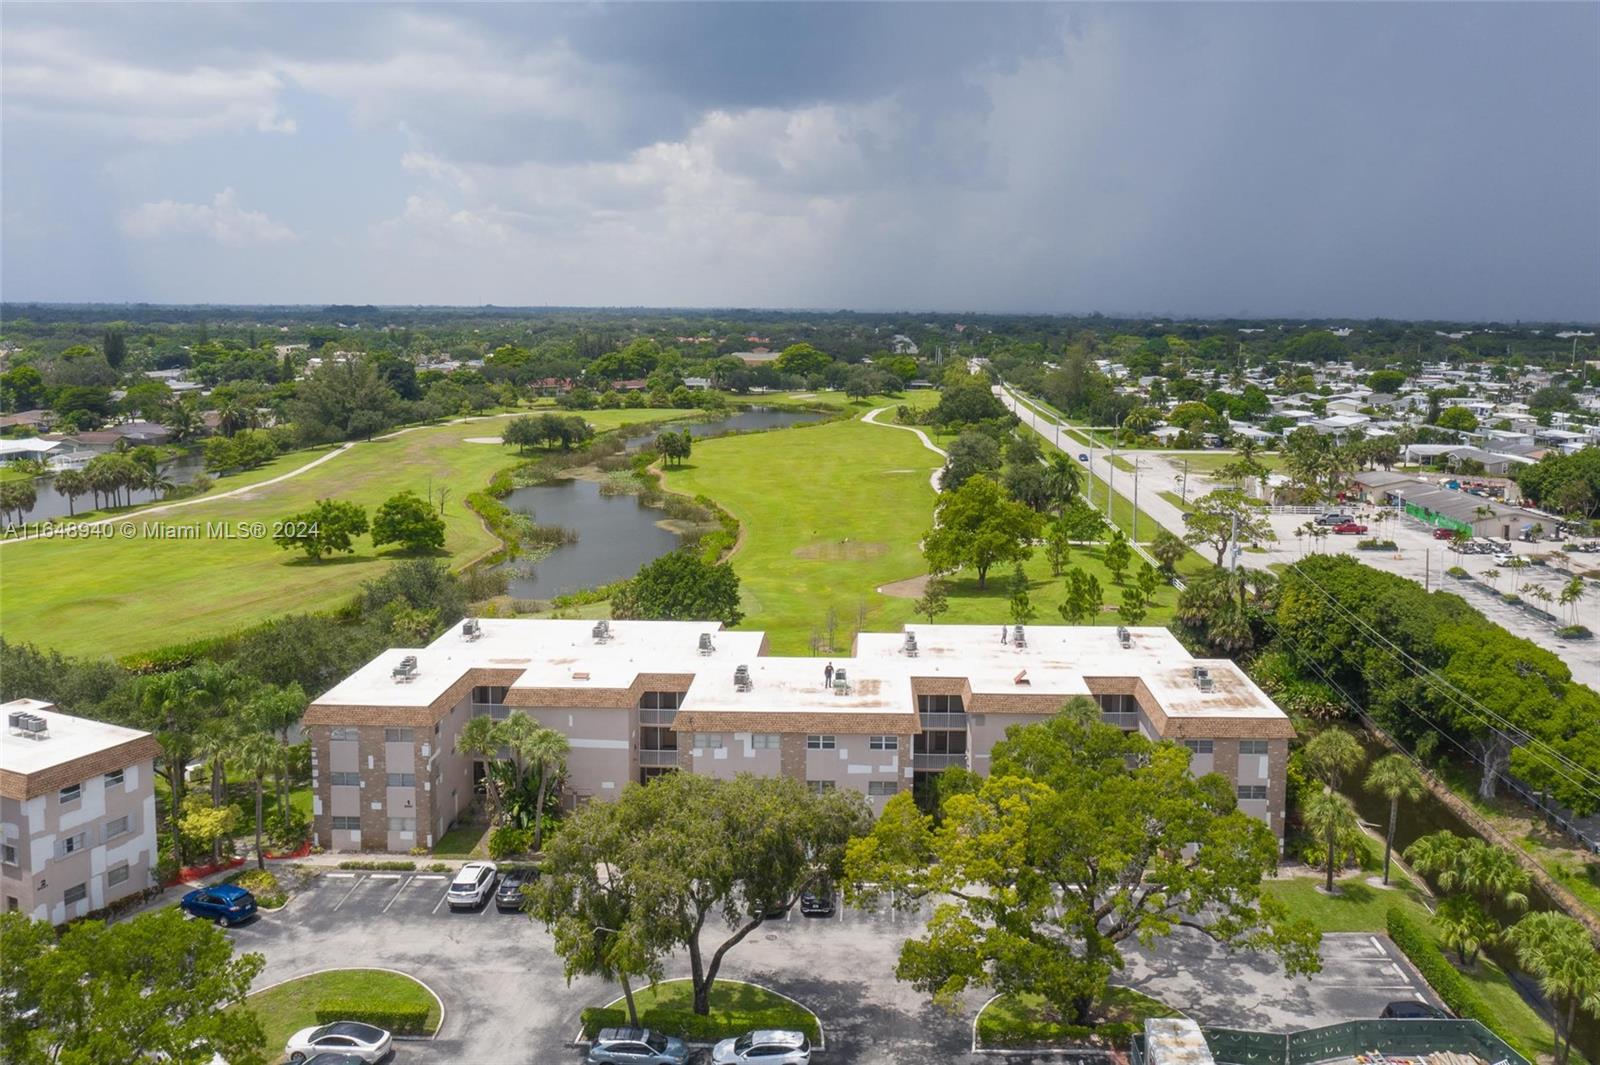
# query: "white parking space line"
[[429, 876], [384, 876], [347, 894], [398, 892], [340, 876], [441, 900]]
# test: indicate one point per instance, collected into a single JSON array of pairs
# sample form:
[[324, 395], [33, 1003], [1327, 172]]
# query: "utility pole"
[[1136, 465], [1233, 543], [1183, 488]]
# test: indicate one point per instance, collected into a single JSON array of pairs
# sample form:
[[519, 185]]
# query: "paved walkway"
[[933, 478]]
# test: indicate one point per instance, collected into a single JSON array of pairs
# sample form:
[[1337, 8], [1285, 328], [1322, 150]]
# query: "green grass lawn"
[[464, 840], [1211, 462], [124, 594], [1028, 1020], [291, 1006], [727, 996]]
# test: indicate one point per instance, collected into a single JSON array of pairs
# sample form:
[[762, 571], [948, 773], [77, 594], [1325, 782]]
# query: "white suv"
[[473, 885]]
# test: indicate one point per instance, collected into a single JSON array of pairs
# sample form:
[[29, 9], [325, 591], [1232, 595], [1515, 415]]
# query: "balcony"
[[936, 762], [655, 758], [498, 711]]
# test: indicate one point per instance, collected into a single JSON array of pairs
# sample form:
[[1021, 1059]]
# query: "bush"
[[508, 840], [1462, 998], [688, 1025], [1373, 544], [401, 1020], [1458, 573], [1574, 632], [388, 866], [263, 885]]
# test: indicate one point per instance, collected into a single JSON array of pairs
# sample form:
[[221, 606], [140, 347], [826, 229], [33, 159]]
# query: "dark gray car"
[[636, 1046]]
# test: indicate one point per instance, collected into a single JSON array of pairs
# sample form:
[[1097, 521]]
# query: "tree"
[[675, 446], [1058, 545], [1394, 777], [1332, 754], [1465, 927], [479, 738], [1028, 485], [341, 399], [967, 400], [802, 360], [696, 852], [329, 526], [1227, 517], [1208, 608], [1083, 598], [152, 987], [72, 484], [977, 526], [1386, 381], [969, 454], [682, 586], [1135, 604], [1168, 550], [1458, 418], [258, 754], [1081, 838], [1117, 555], [204, 825], [1063, 481], [1459, 864], [1022, 609], [522, 432], [1330, 816], [17, 498], [933, 601], [1559, 951], [407, 519]]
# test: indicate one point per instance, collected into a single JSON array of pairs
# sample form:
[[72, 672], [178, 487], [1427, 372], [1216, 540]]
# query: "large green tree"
[[408, 520], [331, 525], [977, 526], [1227, 518], [154, 987], [681, 586], [1561, 953], [1081, 837], [1395, 778]]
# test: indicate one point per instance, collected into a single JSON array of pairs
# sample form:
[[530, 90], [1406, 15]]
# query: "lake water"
[[52, 504], [616, 534]]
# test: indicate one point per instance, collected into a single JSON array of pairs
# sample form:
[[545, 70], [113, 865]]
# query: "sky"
[[1432, 160]]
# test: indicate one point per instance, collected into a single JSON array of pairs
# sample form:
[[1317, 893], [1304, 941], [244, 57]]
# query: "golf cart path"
[[933, 478]]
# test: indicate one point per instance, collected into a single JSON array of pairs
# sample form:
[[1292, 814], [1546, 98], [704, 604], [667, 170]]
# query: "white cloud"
[[222, 220]]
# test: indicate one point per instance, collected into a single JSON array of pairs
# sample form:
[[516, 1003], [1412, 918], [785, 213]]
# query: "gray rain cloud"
[[1425, 160]]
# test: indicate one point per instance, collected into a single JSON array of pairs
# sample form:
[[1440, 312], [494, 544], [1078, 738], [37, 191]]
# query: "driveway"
[[506, 1000]]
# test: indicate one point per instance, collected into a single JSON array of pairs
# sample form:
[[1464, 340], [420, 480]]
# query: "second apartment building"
[[638, 698]]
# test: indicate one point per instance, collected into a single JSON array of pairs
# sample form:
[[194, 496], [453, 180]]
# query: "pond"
[[52, 504], [616, 534]]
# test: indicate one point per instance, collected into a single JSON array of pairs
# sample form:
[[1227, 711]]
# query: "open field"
[[167, 578]]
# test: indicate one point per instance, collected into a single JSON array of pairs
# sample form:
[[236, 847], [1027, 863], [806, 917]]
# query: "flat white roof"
[[68, 738], [796, 684]]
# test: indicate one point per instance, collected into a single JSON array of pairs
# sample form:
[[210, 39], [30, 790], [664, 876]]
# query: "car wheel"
[[296, 1058], [224, 922]]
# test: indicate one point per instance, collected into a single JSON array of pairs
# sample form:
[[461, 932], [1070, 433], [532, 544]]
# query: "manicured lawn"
[[289, 1007], [123, 594], [1028, 1020], [727, 996], [970, 606], [464, 840], [1211, 462]]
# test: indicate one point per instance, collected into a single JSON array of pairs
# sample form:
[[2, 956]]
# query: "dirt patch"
[[910, 588], [840, 550]]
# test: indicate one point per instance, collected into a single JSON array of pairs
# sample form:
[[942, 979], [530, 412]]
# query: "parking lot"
[[506, 1000]]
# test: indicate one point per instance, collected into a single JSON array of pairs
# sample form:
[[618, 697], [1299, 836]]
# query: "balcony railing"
[[937, 761], [648, 758]]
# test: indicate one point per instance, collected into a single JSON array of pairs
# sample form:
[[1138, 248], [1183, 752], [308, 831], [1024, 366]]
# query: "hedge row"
[[401, 1020], [389, 866], [1462, 998], [688, 1025], [998, 1030]]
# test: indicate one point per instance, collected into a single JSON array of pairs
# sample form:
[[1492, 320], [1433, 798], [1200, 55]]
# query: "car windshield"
[[364, 1032], [744, 1042], [656, 1041]]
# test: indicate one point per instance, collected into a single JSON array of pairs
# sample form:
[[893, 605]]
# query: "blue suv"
[[227, 904]]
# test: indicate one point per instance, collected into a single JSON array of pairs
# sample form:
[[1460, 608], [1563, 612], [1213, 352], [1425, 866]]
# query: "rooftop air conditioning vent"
[[1199, 671], [841, 683], [1021, 679], [1205, 682], [406, 671], [706, 646], [741, 678], [470, 629], [601, 631], [911, 645], [29, 726], [1017, 638], [1124, 637]]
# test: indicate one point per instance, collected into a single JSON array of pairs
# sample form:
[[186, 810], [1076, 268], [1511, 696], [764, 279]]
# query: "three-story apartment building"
[[77, 812], [638, 698]]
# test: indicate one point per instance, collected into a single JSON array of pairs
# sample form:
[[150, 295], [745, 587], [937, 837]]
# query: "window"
[[879, 788], [345, 780], [402, 824], [347, 824], [402, 780], [1117, 704], [1198, 746], [764, 741], [75, 893], [940, 704], [1252, 791], [117, 827], [940, 742], [819, 743], [1252, 746], [71, 793], [660, 700], [117, 874], [8, 853], [657, 738], [708, 741], [396, 735], [344, 734], [70, 844], [883, 743], [817, 787], [114, 778], [489, 694]]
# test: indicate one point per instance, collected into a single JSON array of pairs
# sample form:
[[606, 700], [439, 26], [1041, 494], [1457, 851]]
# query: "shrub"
[[1574, 632], [386, 866], [685, 1024], [263, 885], [1458, 573], [1462, 998], [508, 840], [1373, 544], [996, 1029], [401, 1020]]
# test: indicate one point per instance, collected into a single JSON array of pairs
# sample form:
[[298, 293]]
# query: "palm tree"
[[72, 484], [1571, 593], [1063, 481], [1332, 753], [216, 746], [258, 753], [1395, 778], [278, 710], [1331, 816], [480, 738], [548, 751], [1457, 863], [1466, 927], [1558, 950]]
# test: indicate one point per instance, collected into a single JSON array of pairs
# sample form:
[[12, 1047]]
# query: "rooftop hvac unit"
[[406, 671], [601, 631], [16, 718], [741, 678], [911, 645], [470, 629], [29, 726], [706, 646], [1199, 671], [1124, 637], [1205, 682], [1017, 638]]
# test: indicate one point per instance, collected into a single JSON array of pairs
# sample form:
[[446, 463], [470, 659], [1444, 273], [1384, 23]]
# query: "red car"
[[1350, 528], [1444, 534]]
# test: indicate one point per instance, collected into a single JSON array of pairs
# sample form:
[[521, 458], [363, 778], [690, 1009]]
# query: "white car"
[[763, 1048], [473, 885], [364, 1041]]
